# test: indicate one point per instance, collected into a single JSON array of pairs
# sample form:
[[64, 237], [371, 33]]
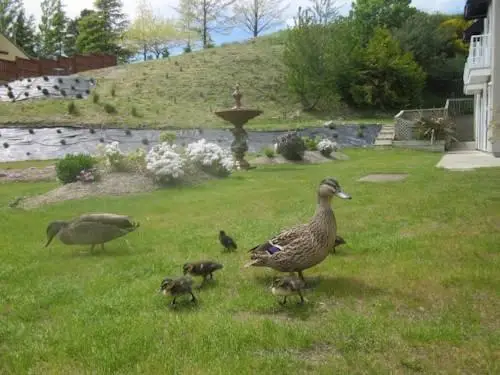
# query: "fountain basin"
[[238, 116]]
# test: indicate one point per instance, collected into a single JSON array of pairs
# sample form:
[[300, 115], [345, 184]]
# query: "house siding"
[[9, 51]]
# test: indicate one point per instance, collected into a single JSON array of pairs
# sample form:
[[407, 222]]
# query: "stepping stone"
[[384, 177]]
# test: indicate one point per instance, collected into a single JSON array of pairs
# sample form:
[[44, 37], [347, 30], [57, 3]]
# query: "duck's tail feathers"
[[252, 263]]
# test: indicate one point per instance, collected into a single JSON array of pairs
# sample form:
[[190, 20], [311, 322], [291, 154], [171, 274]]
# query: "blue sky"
[[167, 9]]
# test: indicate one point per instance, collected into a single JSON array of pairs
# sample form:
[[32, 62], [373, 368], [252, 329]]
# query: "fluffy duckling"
[[338, 242], [286, 286], [227, 241], [177, 287], [203, 268]]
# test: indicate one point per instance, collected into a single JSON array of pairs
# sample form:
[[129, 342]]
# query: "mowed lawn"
[[416, 291]]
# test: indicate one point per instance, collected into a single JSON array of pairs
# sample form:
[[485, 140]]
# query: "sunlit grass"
[[416, 289]]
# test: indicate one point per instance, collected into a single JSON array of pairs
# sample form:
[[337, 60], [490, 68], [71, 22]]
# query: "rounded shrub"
[[291, 146], [68, 168]]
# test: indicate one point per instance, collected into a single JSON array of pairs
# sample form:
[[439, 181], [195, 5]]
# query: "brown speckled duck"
[[305, 245]]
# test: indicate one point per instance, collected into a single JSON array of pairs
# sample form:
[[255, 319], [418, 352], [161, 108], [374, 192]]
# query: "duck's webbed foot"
[[193, 298], [301, 302]]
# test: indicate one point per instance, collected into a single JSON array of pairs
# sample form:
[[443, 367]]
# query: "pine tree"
[[25, 33], [115, 23]]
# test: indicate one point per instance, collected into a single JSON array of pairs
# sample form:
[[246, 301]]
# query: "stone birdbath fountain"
[[238, 117]]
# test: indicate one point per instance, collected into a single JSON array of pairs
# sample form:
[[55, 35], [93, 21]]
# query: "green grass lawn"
[[416, 291], [184, 91]]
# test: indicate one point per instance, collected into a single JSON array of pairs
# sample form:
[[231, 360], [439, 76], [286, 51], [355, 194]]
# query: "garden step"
[[383, 142]]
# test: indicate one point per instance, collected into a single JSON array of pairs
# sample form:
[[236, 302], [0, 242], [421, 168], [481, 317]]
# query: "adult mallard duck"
[[90, 229], [305, 245]]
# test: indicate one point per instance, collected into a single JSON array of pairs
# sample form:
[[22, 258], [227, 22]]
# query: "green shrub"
[[72, 110], [69, 167], [134, 112], [269, 152], [109, 108], [291, 146], [311, 143], [168, 136]]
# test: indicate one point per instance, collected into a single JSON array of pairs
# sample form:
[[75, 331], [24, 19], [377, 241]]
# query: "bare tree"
[[206, 16], [324, 11], [257, 16]]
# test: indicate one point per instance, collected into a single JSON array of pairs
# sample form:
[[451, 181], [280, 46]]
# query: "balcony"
[[477, 70]]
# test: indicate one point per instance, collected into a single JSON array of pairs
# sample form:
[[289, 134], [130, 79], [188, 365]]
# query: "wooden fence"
[[23, 68]]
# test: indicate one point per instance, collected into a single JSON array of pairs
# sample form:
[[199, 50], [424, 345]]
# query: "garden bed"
[[112, 184]]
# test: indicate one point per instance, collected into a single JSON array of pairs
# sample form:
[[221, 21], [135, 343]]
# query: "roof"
[[15, 45]]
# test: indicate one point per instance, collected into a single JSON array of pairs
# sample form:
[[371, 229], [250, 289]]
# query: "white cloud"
[[165, 7]]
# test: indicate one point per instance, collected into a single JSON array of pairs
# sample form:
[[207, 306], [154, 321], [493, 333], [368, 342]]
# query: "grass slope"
[[416, 290], [180, 92]]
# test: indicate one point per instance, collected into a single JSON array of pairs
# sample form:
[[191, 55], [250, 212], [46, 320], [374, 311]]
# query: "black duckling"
[[227, 241], [338, 242], [286, 286], [203, 268], [177, 287]]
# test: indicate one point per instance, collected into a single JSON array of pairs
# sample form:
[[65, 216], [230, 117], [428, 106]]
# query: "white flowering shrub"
[[114, 159], [210, 157], [326, 147], [165, 163]]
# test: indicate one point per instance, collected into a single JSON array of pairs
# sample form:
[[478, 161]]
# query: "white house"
[[482, 71]]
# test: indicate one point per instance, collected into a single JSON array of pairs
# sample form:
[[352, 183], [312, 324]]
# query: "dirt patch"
[[32, 174], [384, 177], [310, 157], [111, 184]]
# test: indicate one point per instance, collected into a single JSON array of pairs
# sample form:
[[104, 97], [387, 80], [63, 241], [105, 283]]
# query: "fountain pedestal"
[[238, 117]]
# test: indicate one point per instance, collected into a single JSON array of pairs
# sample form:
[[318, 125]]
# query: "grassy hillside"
[[182, 91]]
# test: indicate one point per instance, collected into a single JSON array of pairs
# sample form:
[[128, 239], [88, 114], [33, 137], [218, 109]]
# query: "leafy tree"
[[457, 26], [151, 33], [388, 78], [371, 14], [206, 16], [9, 10], [435, 45], [310, 72], [25, 33], [256, 16], [52, 28]]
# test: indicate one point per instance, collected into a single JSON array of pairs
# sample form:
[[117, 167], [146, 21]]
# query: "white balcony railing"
[[479, 52]]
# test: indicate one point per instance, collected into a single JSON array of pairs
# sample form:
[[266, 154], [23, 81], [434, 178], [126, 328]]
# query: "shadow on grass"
[[113, 252], [282, 168], [331, 286], [183, 304]]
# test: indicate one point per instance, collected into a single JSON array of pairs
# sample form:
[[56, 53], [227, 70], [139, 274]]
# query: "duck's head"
[[188, 267], [53, 228], [165, 283], [330, 187], [222, 233]]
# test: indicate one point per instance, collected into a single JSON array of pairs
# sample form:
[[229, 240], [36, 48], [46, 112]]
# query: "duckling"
[[177, 287], [338, 241], [202, 268], [286, 286], [227, 241]]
